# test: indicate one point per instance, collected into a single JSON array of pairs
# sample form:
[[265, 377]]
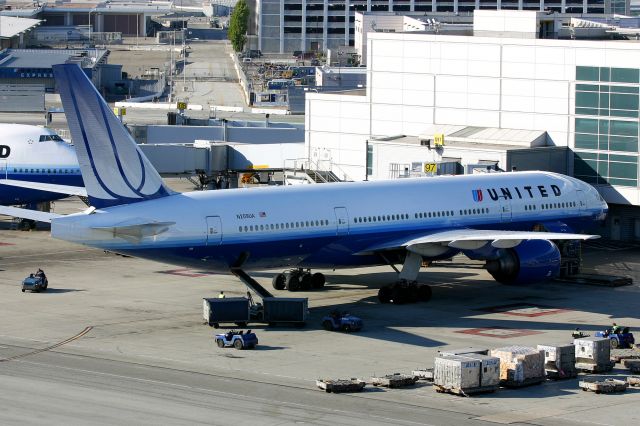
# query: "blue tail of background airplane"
[[114, 169]]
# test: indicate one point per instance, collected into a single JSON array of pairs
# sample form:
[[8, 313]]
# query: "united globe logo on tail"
[[477, 195]]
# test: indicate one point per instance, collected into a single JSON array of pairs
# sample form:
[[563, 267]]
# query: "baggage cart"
[[233, 310], [341, 385], [285, 310], [632, 364], [603, 386], [466, 374], [633, 381], [395, 380], [424, 374]]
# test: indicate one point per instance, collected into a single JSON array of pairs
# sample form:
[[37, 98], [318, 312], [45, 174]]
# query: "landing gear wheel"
[[399, 295], [317, 280], [306, 281], [424, 293], [293, 282], [384, 294], [238, 344], [220, 343], [279, 281]]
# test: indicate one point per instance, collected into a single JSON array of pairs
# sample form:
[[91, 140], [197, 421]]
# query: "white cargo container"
[[593, 354], [465, 374], [559, 361]]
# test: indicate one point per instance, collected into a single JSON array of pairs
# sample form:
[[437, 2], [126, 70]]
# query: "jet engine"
[[529, 262]]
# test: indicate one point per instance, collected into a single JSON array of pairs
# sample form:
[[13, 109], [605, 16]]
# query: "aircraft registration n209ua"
[[491, 217]]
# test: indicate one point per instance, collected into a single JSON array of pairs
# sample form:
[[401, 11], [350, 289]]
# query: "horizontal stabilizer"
[[135, 232], [49, 187], [28, 214], [470, 239]]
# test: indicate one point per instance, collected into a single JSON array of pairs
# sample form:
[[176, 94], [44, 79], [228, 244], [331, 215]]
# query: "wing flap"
[[470, 239]]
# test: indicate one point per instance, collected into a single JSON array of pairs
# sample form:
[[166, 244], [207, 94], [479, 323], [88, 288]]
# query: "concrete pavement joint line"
[[70, 339], [211, 391]]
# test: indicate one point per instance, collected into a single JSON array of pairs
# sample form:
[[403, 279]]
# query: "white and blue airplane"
[[36, 165], [509, 220]]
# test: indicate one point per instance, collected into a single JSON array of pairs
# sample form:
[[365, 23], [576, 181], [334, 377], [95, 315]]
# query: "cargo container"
[[285, 310], [227, 310], [593, 354], [466, 374], [559, 361], [520, 365]]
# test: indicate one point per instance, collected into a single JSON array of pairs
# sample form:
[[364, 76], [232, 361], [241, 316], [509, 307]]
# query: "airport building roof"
[[44, 58], [11, 26]]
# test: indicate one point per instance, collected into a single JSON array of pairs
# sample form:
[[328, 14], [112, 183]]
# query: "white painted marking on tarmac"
[[227, 394]]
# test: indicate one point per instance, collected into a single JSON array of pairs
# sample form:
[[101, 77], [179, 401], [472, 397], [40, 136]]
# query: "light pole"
[[92, 10]]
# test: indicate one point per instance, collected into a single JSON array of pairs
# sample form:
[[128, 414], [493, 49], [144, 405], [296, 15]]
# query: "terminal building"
[[284, 26], [573, 102]]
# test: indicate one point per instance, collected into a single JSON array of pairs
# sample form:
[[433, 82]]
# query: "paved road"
[[56, 388]]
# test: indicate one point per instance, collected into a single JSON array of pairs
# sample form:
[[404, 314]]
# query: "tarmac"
[[122, 340]]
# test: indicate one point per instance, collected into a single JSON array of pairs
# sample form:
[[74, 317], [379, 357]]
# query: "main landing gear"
[[406, 289], [298, 279]]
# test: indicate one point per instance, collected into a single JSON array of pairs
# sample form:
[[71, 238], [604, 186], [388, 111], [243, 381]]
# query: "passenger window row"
[[381, 218], [468, 212], [558, 205], [284, 225], [50, 171]]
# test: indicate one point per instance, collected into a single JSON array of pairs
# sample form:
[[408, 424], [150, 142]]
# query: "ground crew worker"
[[221, 295], [616, 329]]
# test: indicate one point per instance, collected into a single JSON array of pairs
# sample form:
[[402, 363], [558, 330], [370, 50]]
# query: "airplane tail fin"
[[113, 168]]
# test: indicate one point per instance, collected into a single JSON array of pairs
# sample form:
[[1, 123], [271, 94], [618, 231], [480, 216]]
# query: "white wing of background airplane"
[[470, 239], [61, 189], [28, 214]]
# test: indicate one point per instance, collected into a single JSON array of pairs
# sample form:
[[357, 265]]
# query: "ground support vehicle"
[[603, 386], [341, 321], [237, 339], [623, 340], [341, 385], [35, 283]]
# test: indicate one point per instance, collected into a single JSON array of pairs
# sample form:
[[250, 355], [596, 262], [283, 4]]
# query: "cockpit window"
[[44, 138]]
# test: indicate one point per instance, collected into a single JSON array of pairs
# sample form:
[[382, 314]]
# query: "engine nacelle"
[[530, 262]]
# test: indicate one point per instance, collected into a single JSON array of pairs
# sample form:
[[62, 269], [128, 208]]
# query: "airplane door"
[[214, 230], [580, 199], [342, 221], [505, 209]]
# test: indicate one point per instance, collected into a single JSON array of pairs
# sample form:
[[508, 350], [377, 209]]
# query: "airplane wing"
[[28, 214], [469, 239], [61, 189]]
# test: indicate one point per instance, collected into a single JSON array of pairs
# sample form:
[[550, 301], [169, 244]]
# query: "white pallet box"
[[559, 361], [595, 349], [464, 374]]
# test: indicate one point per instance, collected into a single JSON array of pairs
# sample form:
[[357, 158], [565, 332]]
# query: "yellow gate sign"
[[430, 167], [182, 105], [438, 139]]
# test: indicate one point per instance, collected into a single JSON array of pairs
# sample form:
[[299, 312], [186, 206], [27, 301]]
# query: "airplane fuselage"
[[333, 225], [35, 154]]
